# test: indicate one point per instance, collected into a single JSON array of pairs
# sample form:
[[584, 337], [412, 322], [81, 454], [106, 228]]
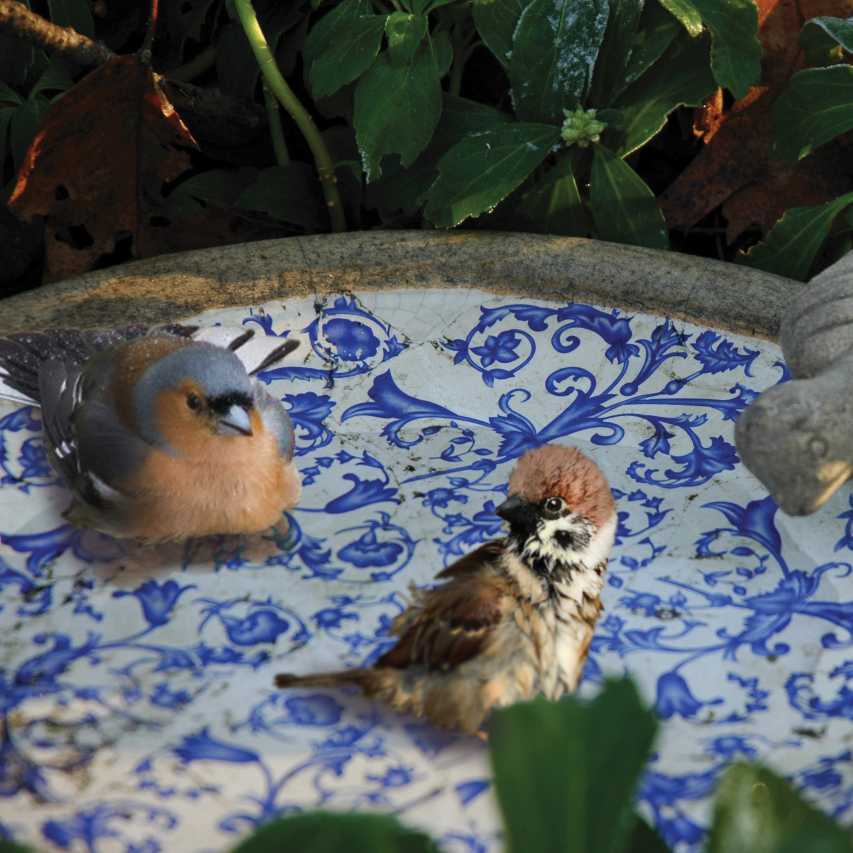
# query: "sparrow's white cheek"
[[591, 546]]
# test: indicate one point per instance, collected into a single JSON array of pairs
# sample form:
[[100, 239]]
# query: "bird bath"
[[138, 702]]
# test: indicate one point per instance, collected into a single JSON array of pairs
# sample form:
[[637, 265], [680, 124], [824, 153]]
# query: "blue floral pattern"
[[138, 712]]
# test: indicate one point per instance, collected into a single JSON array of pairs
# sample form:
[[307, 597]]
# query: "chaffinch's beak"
[[236, 419], [520, 514]]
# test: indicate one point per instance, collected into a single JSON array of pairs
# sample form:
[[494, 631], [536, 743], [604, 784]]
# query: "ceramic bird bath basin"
[[138, 706]]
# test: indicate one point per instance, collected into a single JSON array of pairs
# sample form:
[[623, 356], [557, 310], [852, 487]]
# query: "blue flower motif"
[[500, 348], [157, 599], [260, 626], [394, 777], [308, 411], [165, 697], [202, 746], [332, 617], [730, 747], [441, 498], [368, 551], [674, 697], [352, 340], [314, 710]]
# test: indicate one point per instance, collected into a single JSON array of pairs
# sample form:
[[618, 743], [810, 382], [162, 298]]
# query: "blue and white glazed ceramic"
[[138, 712]]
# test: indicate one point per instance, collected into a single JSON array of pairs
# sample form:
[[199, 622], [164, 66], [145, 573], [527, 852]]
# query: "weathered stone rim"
[[174, 287]]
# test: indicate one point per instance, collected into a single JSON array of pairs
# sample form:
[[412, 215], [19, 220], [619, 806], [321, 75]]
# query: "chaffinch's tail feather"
[[22, 354]]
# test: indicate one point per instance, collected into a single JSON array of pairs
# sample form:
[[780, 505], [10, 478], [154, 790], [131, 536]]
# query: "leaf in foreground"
[[756, 811], [328, 832], [570, 787]]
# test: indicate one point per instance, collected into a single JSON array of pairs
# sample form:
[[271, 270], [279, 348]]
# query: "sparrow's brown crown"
[[563, 472]]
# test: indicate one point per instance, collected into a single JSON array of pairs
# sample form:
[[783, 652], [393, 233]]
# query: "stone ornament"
[[797, 437]]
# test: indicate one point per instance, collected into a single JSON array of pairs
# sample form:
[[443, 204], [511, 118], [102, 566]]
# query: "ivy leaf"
[[554, 50], [758, 812], [685, 13], [794, 241], [342, 46], [623, 207], [736, 51], [396, 109], [820, 35], [496, 22], [605, 743], [682, 78], [405, 33], [476, 173], [816, 106]]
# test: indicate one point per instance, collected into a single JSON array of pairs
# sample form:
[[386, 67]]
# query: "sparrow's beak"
[[236, 419], [519, 513]]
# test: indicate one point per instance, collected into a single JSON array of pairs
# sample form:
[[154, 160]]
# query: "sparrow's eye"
[[554, 506], [193, 402]]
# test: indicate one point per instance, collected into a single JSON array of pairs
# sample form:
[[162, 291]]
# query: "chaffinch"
[[160, 434]]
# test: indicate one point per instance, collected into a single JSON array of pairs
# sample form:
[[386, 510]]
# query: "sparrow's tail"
[[359, 677]]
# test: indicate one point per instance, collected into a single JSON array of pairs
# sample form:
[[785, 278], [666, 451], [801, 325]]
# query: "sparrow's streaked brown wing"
[[451, 623], [474, 560]]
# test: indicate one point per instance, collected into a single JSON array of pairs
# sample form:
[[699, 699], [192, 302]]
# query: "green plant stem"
[[278, 85], [279, 145], [195, 67], [458, 66]]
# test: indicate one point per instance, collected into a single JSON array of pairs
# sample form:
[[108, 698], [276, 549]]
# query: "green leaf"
[[8, 96], [289, 193], [794, 241], [615, 50], [483, 168], [221, 187], [442, 51], [553, 204], [496, 22], [645, 839], [342, 46], [623, 206], [565, 772], [12, 847], [55, 78], [656, 34], [736, 50], [328, 832], [73, 13], [820, 35], [396, 109], [405, 189], [404, 33], [683, 78], [554, 50], [6, 114], [685, 13], [756, 811], [461, 117], [24, 123], [816, 106]]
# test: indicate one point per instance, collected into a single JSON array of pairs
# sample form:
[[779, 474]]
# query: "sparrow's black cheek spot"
[[564, 538]]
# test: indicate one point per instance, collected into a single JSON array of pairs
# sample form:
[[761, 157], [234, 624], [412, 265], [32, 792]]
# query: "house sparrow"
[[512, 619], [159, 434]]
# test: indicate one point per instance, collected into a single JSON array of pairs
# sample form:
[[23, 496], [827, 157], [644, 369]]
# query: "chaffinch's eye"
[[193, 402], [554, 506]]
